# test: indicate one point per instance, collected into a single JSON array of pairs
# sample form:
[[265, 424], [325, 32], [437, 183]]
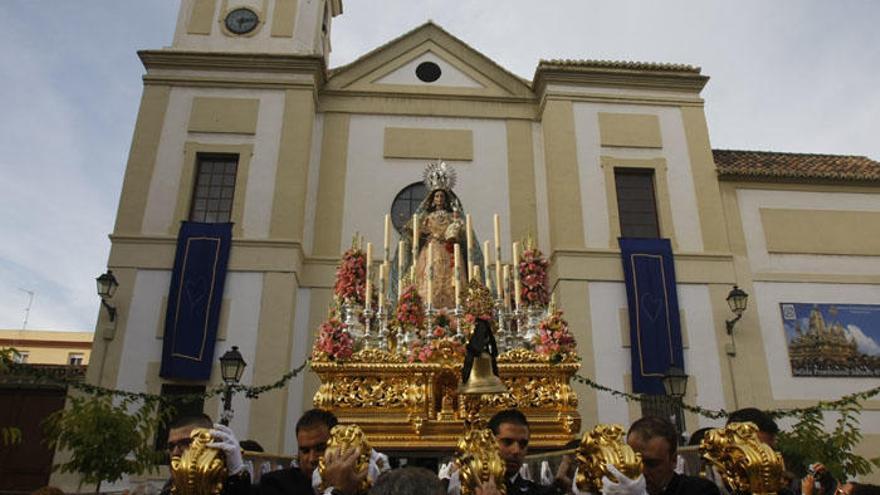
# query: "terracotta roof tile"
[[769, 164]]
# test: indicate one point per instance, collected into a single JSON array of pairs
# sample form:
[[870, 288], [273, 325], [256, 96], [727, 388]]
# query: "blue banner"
[[654, 323], [194, 300]]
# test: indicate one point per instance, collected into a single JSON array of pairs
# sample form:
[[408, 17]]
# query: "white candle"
[[517, 289], [506, 282], [367, 298], [457, 281], [383, 273], [486, 257], [497, 221], [516, 282], [387, 245], [430, 273], [400, 247], [470, 243]]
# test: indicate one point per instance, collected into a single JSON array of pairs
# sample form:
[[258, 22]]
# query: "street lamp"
[[231, 368], [107, 285], [737, 299], [675, 382]]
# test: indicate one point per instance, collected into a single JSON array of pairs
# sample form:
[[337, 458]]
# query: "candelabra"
[[382, 331], [368, 339], [351, 313], [458, 313], [533, 317], [503, 340]]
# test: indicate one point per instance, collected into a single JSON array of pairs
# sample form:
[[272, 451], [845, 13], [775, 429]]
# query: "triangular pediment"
[[453, 66]]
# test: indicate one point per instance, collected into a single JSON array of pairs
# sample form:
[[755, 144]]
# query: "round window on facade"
[[406, 203], [428, 72]]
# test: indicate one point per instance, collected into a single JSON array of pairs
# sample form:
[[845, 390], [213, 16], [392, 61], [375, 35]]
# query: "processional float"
[[421, 368]]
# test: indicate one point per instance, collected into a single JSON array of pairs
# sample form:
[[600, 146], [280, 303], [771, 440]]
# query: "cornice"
[[618, 76], [228, 61]]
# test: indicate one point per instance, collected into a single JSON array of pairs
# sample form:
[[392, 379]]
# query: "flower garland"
[[351, 276], [554, 338], [410, 311], [533, 276], [333, 341]]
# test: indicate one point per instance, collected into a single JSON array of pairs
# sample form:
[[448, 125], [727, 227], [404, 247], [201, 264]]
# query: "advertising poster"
[[837, 340]]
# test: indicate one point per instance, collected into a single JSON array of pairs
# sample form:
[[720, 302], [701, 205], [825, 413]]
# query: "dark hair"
[[251, 445], [754, 415], [650, 427], [194, 420], [316, 417], [447, 204], [408, 481], [48, 490], [863, 489], [507, 416], [697, 436]]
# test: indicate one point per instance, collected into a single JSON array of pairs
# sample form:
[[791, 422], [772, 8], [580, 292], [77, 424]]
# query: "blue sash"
[[655, 328], [194, 300]]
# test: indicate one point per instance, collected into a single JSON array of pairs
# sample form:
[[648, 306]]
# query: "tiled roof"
[[769, 164], [616, 64]]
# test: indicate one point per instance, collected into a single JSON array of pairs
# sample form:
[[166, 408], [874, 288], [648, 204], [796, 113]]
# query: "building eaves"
[[771, 165]]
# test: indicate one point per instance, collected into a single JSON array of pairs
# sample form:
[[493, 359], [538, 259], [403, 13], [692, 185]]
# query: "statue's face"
[[439, 199]]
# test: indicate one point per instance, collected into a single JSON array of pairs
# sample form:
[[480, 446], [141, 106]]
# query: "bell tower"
[[284, 27]]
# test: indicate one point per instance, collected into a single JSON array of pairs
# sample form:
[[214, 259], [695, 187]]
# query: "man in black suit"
[[511, 430], [312, 435], [656, 440]]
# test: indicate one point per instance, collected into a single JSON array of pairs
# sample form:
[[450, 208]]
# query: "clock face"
[[241, 21]]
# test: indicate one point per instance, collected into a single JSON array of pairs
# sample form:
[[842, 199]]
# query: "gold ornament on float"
[[344, 438], [201, 470], [746, 464], [600, 447], [479, 460]]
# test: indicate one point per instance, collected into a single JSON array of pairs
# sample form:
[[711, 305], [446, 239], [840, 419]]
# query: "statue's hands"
[[624, 485], [224, 439], [339, 471]]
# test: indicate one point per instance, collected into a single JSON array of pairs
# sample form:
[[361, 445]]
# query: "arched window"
[[406, 203]]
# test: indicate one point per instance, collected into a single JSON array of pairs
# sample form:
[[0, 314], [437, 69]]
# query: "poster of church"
[[837, 340]]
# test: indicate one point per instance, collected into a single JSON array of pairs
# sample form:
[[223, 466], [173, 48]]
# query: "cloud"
[[867, 345]]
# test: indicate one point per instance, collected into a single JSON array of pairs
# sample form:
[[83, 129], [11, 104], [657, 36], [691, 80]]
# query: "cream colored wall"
[[594, 186], [305, 39], [372, 181], [48, 347], [762, 262], [160, 217]]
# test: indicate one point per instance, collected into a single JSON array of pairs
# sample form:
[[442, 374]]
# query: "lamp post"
[[107, 285], [737, 299], [231, 368], [675, 382]]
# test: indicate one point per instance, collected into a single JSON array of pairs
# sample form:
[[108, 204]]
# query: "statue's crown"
[[439, 175]]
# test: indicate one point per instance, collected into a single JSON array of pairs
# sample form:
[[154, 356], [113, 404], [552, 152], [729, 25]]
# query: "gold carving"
[[600, 447], [372, 355], [746, 464], [479, 461], [200, 470], [344, 438], [368, 391]]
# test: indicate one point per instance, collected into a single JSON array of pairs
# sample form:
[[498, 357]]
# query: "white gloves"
[[378, 464], [546, 474], [450, 472], [224, 439], [680, 464], [624, 486], [525, 472]]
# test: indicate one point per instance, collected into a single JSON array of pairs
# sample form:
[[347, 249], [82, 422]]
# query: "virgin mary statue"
[[441, 225]]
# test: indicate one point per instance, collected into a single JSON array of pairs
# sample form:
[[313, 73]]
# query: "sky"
[[786, 75]]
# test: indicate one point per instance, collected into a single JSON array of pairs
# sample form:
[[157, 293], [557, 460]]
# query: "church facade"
[[303, 156]]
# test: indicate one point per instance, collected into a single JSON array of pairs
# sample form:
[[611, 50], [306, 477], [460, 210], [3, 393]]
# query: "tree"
[[106, 440], [808, 442]]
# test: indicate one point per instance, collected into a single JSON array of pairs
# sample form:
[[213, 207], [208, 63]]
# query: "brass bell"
[[481, 379]]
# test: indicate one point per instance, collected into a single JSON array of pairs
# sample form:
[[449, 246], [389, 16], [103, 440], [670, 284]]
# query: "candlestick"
[[517, 292], [486, 258], [415, 239], [387, 245], [470, 243], [457, 256], [430, 273], [552, 301], [367, 298], [497, 222]]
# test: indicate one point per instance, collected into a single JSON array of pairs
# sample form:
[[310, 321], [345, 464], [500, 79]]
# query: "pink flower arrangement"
[[351, 275], [410, 310], [533, 276], [554, 338], [333, 341], [423, 352]]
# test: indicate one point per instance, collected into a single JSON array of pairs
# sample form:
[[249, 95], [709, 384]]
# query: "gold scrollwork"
[[369, 391], [344, 438], [479, 461], [600, 447], [201, 470], [746, 464]]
